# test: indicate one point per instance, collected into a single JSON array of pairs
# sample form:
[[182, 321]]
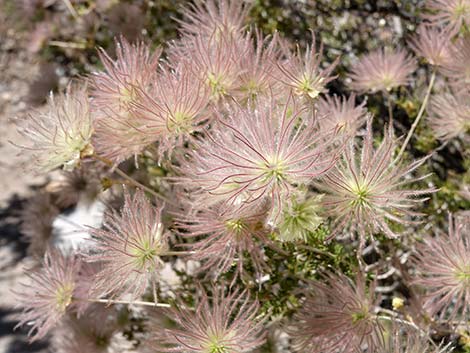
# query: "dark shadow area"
[[10, 236], [20, 343], [10, 222]]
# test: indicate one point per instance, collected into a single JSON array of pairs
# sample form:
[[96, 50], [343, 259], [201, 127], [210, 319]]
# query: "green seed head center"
[[356, 317], [309, 86], [217, 349], [361, 194], [180, 123], [388, 82], [216, 84], [463, 275], [127, 95], [252, 88], [64, 296], [461, 10], [274, 170], [215, 344], [235, 226], [361, 314], [145, 254]]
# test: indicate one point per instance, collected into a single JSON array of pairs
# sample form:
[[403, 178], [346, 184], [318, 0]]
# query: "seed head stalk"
[[390, 111], [134, 302], [129, 178], [392, 318], [72, 10], [127, 302], [418, 118]]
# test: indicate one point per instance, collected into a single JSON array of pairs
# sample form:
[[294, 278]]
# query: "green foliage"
[[296, 264]]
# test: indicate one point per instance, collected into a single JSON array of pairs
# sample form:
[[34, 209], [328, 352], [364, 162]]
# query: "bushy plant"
[[248, 209]]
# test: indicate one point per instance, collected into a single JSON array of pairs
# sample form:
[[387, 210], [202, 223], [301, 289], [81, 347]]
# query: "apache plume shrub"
[[250, 196]]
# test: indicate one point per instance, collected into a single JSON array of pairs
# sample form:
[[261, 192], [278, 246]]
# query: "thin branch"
[[136, 302], [390, 111], [130, 179], [68, 45], [316, 251], [72, 10], [418, 118], [177, 253], [401, 321], [407, 323]]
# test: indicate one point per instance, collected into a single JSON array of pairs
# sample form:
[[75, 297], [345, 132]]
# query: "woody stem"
[[136, 302], [130, 179]]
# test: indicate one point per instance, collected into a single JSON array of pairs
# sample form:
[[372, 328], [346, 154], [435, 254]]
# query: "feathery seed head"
[[341, 114], [130, 246], [432, 44], [304, 73], [258, 153], [119, 135], [226, 323], [214, 19], [382, 70], [452, 15], [174, 108], [403, 339], [443, 264], [457, 68], [50, 293], [61, 133], [365, 191], [299, 218], [258, 68], [90, 333], [214, 64], [115, 88], [449, 114], [338, 315], [224, 235], [84, 182]]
